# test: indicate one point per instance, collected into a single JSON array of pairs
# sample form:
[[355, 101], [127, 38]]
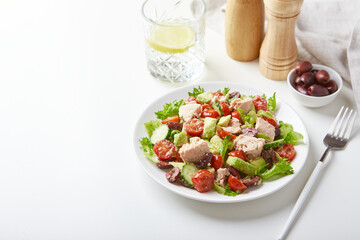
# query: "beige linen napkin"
[[327, 32], [354, 62]]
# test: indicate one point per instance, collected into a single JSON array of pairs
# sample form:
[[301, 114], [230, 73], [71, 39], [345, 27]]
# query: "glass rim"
[[202, 15]]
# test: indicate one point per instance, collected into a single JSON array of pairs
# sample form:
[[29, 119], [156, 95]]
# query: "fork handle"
[[300, 202]]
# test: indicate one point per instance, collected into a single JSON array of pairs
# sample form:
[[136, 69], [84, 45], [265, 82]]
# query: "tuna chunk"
[[243, 104], [221, 176], [190, 111], [194, 151], [251, 146], [265, 128], [233, 126]]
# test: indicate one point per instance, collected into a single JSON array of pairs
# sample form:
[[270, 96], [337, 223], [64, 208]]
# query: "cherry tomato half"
[[194, 127], [238, 154], [223, 133], [203, 180], [217, 161], [225, 108], [164, 149], [235, 184], [218, 94], [171, 119], [192, 99], [206, 106], [178, 157], [236, 114], [260, 103], [287, 151], [210, 113], [271, 121]]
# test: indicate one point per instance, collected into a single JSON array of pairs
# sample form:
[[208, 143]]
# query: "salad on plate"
[[221, 141]]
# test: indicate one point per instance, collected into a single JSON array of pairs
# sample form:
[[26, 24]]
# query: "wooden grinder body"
[[278, 53], [244, 28]]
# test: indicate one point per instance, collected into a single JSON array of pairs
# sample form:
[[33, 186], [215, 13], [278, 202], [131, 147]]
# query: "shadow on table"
[[245, 210]]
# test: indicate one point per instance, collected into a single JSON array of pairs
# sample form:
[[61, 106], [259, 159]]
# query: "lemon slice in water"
[[171, 39]]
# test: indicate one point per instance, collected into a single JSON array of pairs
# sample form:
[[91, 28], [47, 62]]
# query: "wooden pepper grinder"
[[244, 28], [278, 53]]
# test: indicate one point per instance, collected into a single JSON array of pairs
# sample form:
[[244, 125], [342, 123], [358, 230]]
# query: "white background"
[[73, 81]]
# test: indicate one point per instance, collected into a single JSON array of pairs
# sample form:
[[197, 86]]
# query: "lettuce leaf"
[[293, 138], [225, 91], [172, 133], [170, 109], [279, 169], [262, 113], [271, 105], [248, 119], [288, 134], [225, 146], [148, 150], [225, 190], [151, 126], [196, 92]]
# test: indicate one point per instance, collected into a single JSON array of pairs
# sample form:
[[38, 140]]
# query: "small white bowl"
[[312, 101]]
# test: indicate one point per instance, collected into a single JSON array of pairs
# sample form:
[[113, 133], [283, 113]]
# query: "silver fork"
[[336, 138]]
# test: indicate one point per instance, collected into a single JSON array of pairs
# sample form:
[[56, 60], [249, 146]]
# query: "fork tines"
[[343, 123]]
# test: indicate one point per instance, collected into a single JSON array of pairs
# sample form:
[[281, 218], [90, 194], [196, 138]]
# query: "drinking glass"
[[174, 39]]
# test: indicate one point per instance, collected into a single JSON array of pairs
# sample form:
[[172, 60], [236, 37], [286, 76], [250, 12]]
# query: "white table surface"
[[73, 81]]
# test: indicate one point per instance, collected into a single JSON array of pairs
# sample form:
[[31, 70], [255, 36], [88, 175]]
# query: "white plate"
[[283, 113]]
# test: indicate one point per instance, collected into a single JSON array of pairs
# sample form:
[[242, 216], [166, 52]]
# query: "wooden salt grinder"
[[244, 28], [278, 52]]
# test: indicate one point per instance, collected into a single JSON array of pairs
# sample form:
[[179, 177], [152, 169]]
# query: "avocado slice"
[[205, 97], [216, 143], [242, 166], [180, 139], [258, 162], [224, 121], [209, 127]]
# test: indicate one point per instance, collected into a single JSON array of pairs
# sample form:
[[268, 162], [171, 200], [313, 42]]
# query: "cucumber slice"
[[274, 144], [187, 172], [160, 133], [219, 189], [260, 135]]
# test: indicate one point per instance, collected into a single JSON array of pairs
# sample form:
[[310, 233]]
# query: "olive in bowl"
[[314, 85]]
